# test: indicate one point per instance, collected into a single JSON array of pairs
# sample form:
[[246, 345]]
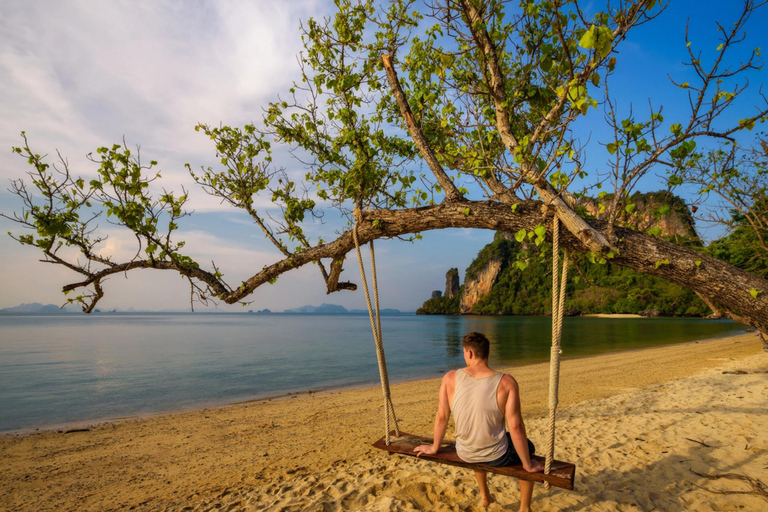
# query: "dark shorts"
[[510, 458]]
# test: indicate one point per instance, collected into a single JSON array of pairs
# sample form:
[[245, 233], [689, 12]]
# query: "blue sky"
[[76, 75]]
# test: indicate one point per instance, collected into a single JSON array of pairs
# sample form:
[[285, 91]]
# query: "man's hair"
[[478, 343]]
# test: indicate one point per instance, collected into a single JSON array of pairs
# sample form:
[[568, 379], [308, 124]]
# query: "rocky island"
[[512, 274]]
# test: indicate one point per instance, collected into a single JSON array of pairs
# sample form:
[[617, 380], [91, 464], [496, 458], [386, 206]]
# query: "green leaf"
[[674, 180], [466, 211], [599, 39], [589, 39], [520, 235], [746, 123], [630, 208], [754, 293], [665, 261], [697, 263], [540, 231], [613, 146], [654, 231]]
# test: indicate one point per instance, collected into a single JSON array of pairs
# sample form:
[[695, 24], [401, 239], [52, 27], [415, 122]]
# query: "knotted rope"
[[389, 408], [558, 299]]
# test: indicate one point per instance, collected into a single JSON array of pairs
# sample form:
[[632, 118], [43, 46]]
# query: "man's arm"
[[517, 426], [441, 419]]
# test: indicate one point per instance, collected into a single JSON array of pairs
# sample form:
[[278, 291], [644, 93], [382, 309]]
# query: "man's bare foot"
[[524, 510], [488, 500]]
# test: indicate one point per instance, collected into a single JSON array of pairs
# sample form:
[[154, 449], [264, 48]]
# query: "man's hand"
[[425, 449], [535, 466]]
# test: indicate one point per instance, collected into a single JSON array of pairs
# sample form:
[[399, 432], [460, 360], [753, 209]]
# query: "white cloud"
[[79, 74]]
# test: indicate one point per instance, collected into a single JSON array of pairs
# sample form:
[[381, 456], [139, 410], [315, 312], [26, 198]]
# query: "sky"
[[76, 75]]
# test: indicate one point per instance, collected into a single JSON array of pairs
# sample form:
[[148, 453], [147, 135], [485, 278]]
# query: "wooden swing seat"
[[561, 473]]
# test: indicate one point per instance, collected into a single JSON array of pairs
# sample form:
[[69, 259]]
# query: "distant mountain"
[[335, 309], [323, 309], [36, 308]]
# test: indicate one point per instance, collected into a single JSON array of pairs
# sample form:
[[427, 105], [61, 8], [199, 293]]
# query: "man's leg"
[[482, 483], [526, 492]]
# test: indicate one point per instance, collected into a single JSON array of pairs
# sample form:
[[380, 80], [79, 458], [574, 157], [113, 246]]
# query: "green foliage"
[[440, 306], [336, 113], [524, 285], [599, 39], [593, 288], [65, 216], [742, 247], [648, 211]]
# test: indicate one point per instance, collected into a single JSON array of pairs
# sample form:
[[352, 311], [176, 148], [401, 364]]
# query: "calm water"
[[60, 370]]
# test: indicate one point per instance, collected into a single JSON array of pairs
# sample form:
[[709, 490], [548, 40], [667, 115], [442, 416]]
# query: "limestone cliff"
[[452, 283], [479, 284], [661, 209]]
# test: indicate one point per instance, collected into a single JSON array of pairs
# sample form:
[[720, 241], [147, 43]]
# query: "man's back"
[[478, 417], [506, 386]]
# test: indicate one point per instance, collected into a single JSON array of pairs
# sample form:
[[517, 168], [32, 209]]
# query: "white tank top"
[[479, 422]]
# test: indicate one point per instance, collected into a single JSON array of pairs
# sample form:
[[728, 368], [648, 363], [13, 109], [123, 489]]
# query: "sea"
[[67, 370]]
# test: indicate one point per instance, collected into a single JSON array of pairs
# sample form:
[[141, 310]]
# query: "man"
[[480, 399]]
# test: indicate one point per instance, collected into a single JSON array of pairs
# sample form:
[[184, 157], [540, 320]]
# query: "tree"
[[738, 178], [480, 95]]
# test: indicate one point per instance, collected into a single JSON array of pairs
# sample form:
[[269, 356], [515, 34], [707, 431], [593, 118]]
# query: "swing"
[[557, 473]]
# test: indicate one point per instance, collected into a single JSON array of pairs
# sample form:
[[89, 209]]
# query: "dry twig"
[[757, 487]]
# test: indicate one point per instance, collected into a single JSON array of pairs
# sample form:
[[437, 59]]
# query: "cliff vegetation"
[[513, 277]]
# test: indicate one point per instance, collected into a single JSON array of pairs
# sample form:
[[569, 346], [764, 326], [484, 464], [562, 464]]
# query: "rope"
[[389, 408], [558, 300]]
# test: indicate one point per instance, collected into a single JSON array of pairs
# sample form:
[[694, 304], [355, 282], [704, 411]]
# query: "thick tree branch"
[[712, 278], [451, 192], [332, 283], [211, 280]]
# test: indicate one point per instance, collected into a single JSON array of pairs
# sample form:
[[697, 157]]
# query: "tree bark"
[[451, 192]]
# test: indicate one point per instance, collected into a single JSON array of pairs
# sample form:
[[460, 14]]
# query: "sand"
[[637, 424], [614, 315]]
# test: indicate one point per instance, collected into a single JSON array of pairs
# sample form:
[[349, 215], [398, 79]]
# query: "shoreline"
[[312, 451], [618, 315], [90, 424]]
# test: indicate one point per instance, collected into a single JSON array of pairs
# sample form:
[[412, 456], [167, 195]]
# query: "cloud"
[[79, 74]]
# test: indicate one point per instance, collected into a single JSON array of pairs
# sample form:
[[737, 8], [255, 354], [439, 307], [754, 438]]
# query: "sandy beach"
[[637, 425], [614, 315]]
